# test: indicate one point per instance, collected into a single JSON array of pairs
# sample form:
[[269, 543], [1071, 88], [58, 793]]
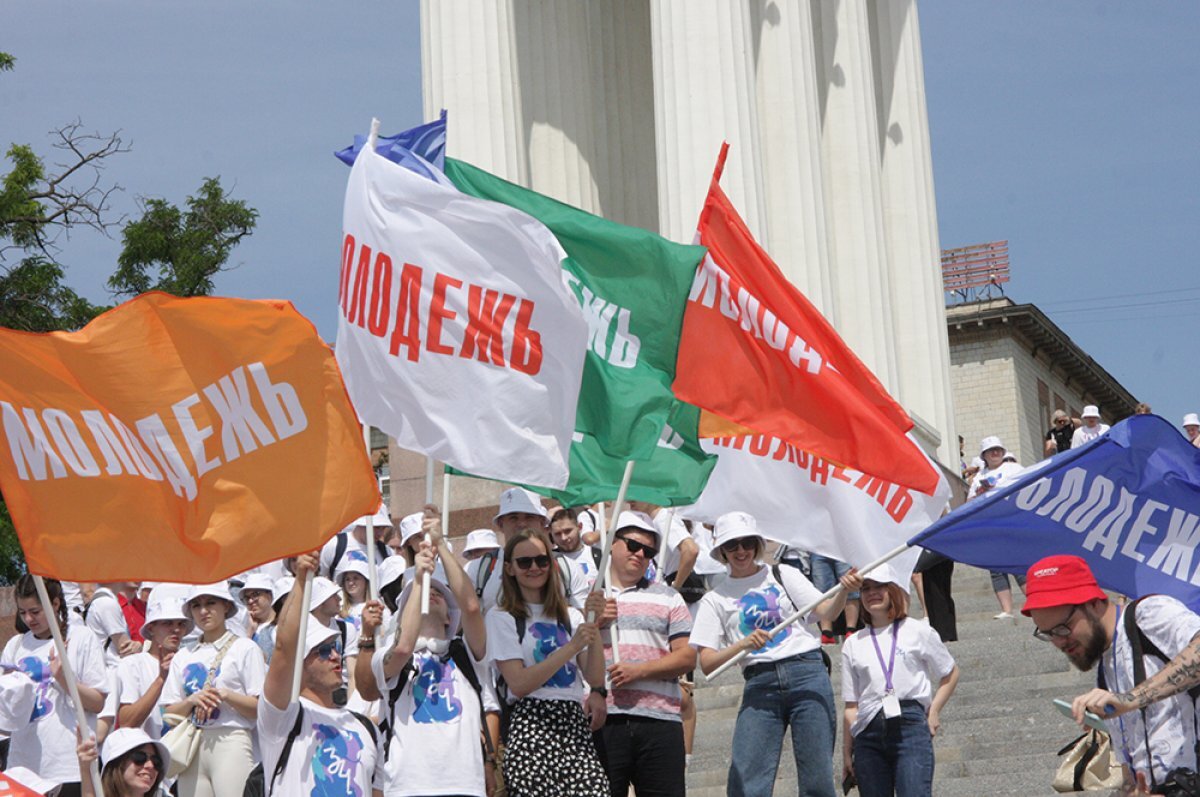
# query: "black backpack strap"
[[286, 752], [520, 621], [341, 630], [596, 556], [394, 695], [487, 563], [465, 663], [338, 552], [366, 723]]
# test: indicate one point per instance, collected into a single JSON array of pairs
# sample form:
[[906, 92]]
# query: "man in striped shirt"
[[641, 744]]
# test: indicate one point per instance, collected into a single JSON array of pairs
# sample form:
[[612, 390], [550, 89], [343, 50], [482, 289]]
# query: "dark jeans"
[[894, 757], [643, 752], [939, 603]]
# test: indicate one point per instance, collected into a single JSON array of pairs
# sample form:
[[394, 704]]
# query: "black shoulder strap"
[[338, 552], [366, 723], [520, 621], [462, 659], [487, 563], [775, 571], [1142, 646], [341, 630], [281, 764], [596, 555]]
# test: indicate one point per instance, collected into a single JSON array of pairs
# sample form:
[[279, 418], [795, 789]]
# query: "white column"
[[910, 221], [790, 118], [703, 95], [854, 196]]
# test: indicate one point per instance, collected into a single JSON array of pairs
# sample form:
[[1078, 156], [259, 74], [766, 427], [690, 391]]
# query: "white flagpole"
[[605, 582], [425, 586], [69, 674], [603, 525], [802, 613], [372, 573], [446, 505], [306, 599]]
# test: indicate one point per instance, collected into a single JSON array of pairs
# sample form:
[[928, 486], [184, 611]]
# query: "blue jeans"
[[827, 571], [895, 756], [792, 693]]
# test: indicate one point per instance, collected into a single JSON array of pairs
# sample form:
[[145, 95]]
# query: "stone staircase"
[[999, 735]]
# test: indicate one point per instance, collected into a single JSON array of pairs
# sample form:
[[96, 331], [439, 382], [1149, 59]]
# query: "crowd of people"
[[532, 672]]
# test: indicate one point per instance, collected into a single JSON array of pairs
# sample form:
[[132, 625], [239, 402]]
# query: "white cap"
[[732, 526], [218, 590], [257, 581], [18, 694], [283, 585], [436, 581], [410, 526], [1191, 419], [481, 540], [316, 635], [322, 590], [1090, 411], [30, 779], [348, 565], [883, 574], [168, 609], [381, 519], [391, 569], [988, 443], [518, 499], [637, 520], [122, 740]]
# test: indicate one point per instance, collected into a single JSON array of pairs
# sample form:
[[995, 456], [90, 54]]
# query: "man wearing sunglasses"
[[312, 741], [641, 743], [1154, 721]]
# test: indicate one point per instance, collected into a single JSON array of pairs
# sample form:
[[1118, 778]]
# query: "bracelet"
[[366, 644]]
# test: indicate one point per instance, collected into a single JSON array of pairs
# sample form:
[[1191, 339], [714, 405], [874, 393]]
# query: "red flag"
[[755, 352]]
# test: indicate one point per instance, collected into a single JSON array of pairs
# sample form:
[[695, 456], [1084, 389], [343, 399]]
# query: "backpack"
[[487, 564], [1141, 646], [256, 783], [381, 551], [88, 608], [775, 571]]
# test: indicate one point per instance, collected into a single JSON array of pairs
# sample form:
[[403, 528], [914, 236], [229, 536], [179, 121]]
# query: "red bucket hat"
[[1059, 581]]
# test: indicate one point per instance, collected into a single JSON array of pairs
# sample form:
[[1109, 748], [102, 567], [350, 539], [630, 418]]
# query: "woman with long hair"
[[892, 709], [787, 684], [545, 651], [47, 744], [133, 764], [216, 685]]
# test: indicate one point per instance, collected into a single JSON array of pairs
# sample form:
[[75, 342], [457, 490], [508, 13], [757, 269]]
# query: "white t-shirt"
[[135, 675], [1171, 626], [105, 618], [1085, 435], [584, 559], [435, 746], [676, 534], [706, 563], [243, 670], [355, 551], [47, 744], [739, 606], [334, 754], [1000, 476], [921, 661], [543, 636]]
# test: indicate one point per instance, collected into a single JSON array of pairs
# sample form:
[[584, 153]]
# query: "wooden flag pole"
[[68, 674], [800, 614], [305, 600]]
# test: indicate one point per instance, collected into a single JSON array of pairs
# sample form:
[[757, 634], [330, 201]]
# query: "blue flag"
[[426, 141], [1128, 503]]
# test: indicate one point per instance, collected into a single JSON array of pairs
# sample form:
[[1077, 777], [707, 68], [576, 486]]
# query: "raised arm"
[[277, 688]]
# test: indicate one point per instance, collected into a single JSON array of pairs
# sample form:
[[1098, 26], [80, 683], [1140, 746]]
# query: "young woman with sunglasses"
[[892, 708], [224, 704], [134, 764], [787, 685], [549, 749], [47, 744]]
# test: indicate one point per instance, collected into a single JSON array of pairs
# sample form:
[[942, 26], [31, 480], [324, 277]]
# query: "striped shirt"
[[649, 618]]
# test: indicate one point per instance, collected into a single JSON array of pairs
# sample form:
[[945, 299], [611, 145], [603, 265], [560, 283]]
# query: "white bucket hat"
[[884, 574], [218, 590], [410, 526], [322, 590], [351, 566], [436, 581], [637, 520], [283, 585], [257, 581], [390, 570], [988, 443], [18, 694], [481, 540], [122, 740], [167, 609], [1090, 411], [517, 499], [733, 526], [381, 518], [1191, 419], [316, 635]]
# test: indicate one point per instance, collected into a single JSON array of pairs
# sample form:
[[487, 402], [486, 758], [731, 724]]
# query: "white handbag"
[[183, 740]]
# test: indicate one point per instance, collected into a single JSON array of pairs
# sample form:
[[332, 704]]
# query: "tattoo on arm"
[[1180, 674]]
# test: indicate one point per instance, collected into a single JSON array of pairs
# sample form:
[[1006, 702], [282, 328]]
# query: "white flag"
[[812, 504], [456, 333]]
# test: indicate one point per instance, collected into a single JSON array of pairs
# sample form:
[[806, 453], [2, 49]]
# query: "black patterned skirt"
[[549, 752]]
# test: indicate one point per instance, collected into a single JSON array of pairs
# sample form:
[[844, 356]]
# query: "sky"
[[1066, 128]]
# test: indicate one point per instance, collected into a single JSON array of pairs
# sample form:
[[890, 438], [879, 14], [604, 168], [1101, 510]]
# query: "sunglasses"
[[740, 544], [326, 649], [635, 547], [140, 757], [1061, 630], [526, 562]]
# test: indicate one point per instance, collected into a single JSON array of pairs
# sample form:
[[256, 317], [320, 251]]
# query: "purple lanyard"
[[891, 665]]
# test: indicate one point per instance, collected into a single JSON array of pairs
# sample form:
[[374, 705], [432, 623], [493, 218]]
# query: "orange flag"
[[9, 787], [177, 440], [755, 352]]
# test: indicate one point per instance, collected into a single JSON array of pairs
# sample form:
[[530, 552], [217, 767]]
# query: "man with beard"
[[1152, 724], [140, 677]]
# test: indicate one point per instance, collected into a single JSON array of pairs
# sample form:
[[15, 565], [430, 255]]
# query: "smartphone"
[[1089, 719], [848, 783]]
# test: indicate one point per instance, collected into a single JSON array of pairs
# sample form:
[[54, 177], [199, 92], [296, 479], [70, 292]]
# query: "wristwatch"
[[600, 690]]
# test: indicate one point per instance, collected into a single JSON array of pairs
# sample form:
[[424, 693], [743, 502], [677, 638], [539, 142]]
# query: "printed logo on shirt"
[[335, 764], [761, 610], [194, 676], [435, 697], [39, 672], [549, 637], [357, 556]]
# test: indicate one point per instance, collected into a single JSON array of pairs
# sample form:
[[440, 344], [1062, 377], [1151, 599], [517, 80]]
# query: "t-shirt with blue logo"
[[543, 636], [334, 754]]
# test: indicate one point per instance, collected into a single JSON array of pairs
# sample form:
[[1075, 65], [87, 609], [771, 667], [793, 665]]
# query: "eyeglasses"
[[1061, 630], [740, 544], [140, 757], [635, 547], [326, 649], [526, 562], [1060, 420]]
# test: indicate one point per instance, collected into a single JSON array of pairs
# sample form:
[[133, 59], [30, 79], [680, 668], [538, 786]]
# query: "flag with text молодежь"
[[175, 439], [1128, 502]]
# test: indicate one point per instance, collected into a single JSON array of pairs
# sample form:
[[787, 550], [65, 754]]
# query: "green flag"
[[673, 475], [633, 286]]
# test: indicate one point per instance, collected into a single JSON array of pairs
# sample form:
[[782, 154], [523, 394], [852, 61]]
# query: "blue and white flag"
[[415, 149], [1128, 503]]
